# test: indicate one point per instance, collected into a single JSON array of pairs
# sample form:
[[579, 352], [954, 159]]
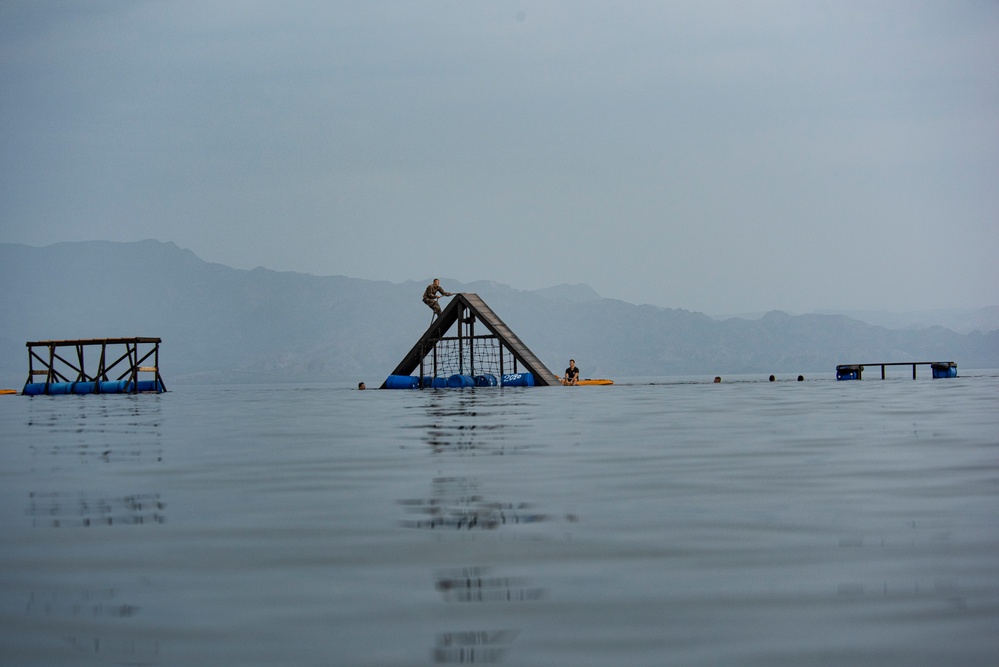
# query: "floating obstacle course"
[[467, 357], [124, 366], [939, 369]]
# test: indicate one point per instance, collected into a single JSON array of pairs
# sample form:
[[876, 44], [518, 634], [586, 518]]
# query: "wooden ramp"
[[466, 310]]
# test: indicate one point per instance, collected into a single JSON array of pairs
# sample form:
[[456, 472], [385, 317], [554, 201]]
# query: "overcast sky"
[[724, 157]]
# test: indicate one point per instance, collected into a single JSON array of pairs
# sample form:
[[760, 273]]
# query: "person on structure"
[[430, 296], [571, 376]]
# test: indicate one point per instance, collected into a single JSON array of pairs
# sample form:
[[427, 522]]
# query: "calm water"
[[657, 522]]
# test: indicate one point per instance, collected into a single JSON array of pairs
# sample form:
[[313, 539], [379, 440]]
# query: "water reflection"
[[479, 584], [84, 457], [471, 423], [455, 504], [122, 651], [110, 429], [60, 510], [103, 602], [475, 647], [458, 426]]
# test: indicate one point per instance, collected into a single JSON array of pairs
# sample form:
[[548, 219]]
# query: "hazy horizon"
[[446, 280], [717, 157]]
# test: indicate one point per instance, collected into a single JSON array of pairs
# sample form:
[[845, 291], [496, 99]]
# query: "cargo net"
[[475, 357]]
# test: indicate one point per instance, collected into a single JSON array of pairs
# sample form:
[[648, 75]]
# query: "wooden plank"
[[92, 341], [900, 363], [542, 375]]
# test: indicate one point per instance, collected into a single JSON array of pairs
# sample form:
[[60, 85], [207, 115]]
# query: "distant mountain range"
[[961, 320], [220, 324]]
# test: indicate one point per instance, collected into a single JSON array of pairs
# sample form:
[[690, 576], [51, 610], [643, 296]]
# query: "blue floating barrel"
[[518, 380], [116, 386], [944, 369], [848, 372], [149, 386], [458, 381], [106, 387], [485, 380], [402, 382]]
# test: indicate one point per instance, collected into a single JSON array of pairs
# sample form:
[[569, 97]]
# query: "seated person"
[[571, 376]]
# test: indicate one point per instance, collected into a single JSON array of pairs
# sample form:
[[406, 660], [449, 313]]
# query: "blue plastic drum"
[[518, 380], [459, 381], [402, 382], [485, 380]]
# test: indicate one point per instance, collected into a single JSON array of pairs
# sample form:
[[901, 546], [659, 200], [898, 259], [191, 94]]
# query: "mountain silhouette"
[[220, 324]]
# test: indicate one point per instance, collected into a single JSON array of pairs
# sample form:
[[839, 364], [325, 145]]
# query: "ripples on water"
[[653, 522]]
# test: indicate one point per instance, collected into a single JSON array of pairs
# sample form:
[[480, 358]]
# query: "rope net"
[[473, 356]]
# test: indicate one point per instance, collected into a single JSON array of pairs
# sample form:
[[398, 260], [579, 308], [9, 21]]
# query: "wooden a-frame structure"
[[467, 309]]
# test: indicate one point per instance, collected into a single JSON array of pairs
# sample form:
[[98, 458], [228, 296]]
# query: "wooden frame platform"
[[47, 359], [858, 369]]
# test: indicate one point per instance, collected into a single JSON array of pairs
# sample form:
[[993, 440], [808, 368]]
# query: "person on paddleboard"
[[430, 296], [571, 376]]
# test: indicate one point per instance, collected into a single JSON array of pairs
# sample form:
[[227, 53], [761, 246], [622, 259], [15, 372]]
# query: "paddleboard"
[[594, 381]]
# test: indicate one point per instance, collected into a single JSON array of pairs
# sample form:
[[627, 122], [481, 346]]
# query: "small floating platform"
[[939, 369], [124, 366]]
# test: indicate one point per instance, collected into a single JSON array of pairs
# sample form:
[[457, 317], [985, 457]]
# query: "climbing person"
[[571, 376], [430, 297]]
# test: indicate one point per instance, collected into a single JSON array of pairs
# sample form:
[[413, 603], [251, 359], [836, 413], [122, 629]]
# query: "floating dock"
[[465, 357], [939, 369], [124, 366]]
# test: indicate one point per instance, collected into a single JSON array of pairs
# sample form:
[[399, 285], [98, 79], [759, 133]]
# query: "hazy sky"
[[724, 157]]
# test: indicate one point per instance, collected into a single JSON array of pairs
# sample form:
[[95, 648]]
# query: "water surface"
[[658, 521]]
